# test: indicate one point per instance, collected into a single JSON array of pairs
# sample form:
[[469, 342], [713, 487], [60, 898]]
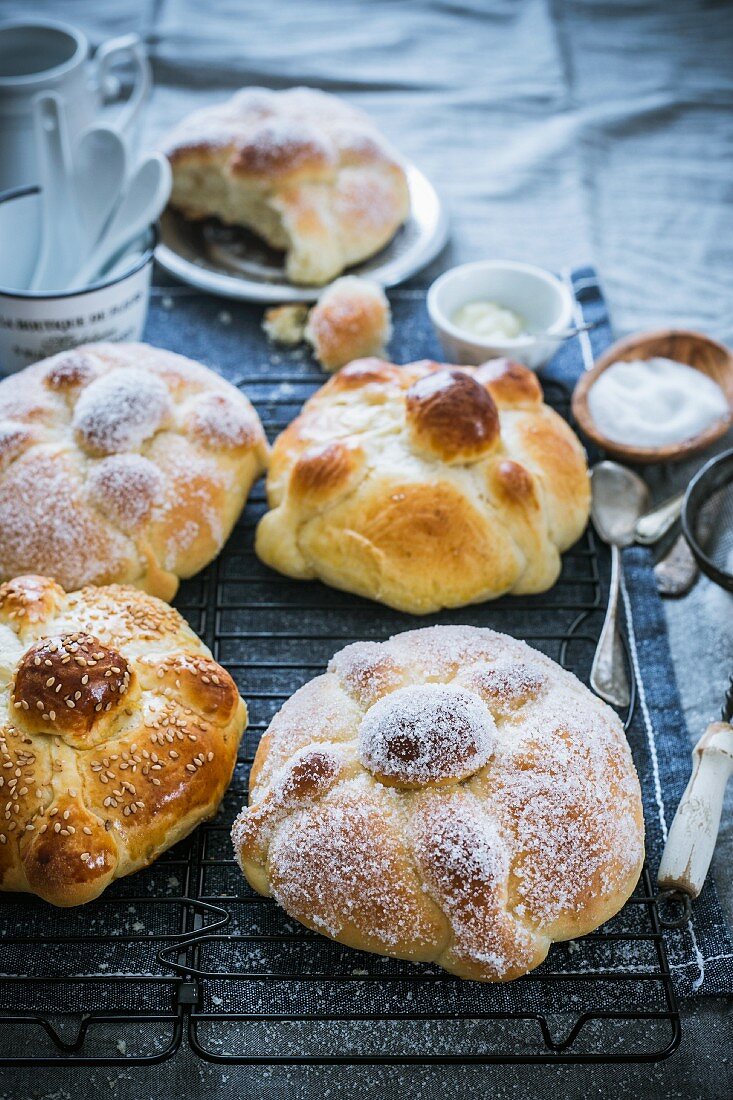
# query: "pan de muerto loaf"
[[305, 171], [426, 486], [449, 796], [119, 734], [122, 462]]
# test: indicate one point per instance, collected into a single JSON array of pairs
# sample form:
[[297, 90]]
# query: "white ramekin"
[[539, 297], [33, 326]]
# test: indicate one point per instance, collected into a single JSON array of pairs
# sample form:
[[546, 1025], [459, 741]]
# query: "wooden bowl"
[[692, 348]]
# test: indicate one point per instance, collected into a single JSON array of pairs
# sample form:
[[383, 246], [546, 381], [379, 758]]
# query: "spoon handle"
[[608, 676], [654, 525], [677, 571]]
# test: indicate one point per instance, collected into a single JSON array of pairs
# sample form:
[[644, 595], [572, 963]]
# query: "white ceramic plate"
[[234, 263]]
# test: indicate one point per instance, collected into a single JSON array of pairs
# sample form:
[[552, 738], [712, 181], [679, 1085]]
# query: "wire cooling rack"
[[186, 951]]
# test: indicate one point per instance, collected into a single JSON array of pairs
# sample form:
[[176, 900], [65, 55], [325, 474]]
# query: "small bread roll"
[[350, 320]]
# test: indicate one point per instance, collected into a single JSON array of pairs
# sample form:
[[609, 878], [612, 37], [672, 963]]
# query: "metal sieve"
[[707, 519]]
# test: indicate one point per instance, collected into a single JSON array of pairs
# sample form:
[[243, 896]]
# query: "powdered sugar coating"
[[345, 864], [125, 488], [219, 422], [107, 475], [425, 734], [540, 838], [120, 411]]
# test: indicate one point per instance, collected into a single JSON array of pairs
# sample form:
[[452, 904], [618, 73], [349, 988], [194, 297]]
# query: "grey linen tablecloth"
[[557, 132]]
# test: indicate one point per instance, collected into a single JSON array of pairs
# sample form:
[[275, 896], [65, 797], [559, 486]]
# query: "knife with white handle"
[[694, 831]]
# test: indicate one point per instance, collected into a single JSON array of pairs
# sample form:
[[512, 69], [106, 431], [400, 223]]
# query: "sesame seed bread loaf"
[[305, 171], [119, 734], [450, 796], [426, 486], [122, 463]]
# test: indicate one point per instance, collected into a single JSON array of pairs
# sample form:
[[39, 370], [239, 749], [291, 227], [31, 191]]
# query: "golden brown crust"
[[451, 417], [425, 486], [449, 796], [120, 736], [323, 472], [121, 462], [364, 372], [302, 169], [510, 384], [28, 600], [350, 320], [65, 682]]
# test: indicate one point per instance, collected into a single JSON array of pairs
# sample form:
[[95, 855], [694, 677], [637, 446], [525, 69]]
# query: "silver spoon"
[[618, 498]]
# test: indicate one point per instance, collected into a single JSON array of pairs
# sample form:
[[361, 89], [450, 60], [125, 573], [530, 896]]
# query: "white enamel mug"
[[34, 326], [43, 55]]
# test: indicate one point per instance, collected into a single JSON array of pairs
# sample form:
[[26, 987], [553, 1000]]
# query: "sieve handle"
[[691, 840], [608, 676]]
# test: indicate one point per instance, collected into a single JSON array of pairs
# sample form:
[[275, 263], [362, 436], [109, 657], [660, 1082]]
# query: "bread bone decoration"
[[426, 486], [307, 172], [119, 734], [449, 796], [122, 462]]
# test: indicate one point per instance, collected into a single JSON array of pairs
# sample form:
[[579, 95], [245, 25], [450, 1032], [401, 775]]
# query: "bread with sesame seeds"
[[122, 463], [305, 171], [118, 735], [450, 796], [426, 485]]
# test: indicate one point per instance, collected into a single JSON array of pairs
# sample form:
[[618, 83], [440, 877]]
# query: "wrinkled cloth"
[[557, 131]]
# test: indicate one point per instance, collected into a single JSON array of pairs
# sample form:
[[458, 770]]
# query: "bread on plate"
[[302, 169]]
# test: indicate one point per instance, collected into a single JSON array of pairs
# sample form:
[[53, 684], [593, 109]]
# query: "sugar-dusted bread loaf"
[[118, 735], [426, 486], [305, 171], [122, 463], [449, 796]]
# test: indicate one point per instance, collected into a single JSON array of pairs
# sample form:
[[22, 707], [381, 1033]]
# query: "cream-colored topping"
[[654, 402], [489, 320]]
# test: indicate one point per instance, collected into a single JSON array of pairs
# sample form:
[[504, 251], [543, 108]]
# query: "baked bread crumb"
[[350, 320]]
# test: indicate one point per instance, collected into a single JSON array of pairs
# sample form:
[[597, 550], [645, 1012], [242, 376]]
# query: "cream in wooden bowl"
[[657, 397]]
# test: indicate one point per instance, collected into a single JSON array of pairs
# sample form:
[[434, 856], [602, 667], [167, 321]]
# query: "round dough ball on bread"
[[426, 486], [118, 735], [122, 463], [449, 796]]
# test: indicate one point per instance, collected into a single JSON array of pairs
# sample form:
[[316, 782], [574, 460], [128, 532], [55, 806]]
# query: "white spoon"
[[58, 255], [100, 164], [142, 204]]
